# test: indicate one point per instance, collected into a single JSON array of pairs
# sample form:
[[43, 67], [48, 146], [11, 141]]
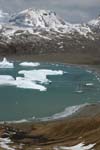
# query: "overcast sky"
[[71, 10]]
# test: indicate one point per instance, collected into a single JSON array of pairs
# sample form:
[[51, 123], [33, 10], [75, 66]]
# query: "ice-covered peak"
[[38, 21], [46, 20], [37, 18], [95, 22]]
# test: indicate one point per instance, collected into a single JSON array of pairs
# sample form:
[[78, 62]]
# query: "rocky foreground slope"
[[78, 132], [40, 32]]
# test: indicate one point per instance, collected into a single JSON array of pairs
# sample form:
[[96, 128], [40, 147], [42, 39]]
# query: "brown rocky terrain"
[[48, 135], [80, 128]]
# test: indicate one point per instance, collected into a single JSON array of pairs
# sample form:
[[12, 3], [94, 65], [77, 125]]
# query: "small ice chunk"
[[79, 91], [29, 64], [89, 84]]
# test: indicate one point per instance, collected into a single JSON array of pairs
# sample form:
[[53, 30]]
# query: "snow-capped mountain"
[[37, 18], [40, 31], [95, 24], [46, 20]]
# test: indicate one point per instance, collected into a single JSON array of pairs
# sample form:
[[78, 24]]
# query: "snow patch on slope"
[[76, 147], [48, 21], [95, 22], [37, 18], [4, 143], [38, 21]]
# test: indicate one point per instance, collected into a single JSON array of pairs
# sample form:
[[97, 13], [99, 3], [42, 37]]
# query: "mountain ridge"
[[42, 19], [40, 31]]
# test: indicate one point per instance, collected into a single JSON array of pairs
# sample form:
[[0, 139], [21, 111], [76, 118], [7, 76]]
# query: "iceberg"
[[6, 64], [29, 64], [28, 84], [20, 82], [30, 79], [6, 80], [40, 75]]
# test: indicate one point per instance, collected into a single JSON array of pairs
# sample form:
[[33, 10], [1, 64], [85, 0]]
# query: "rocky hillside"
[[42, 32], [95, 24], [80, 131]]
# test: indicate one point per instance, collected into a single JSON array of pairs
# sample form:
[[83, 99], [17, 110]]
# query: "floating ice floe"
[[6, 80], [28, 84], [20, 82], [79, 91], [29, 64], [89, 84], [6, 64], [30, 79], [76, 147], [40, 75], [89, 71]]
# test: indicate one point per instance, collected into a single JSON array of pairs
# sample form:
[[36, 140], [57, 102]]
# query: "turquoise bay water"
[[65, 90]]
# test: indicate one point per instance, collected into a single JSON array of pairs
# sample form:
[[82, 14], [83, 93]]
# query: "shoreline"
[[85, 110], [46, 135]]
